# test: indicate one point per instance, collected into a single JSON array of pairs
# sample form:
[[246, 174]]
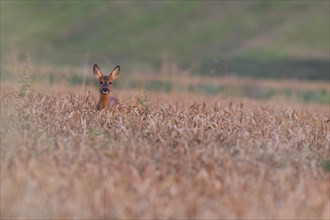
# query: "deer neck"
[[103, 102]]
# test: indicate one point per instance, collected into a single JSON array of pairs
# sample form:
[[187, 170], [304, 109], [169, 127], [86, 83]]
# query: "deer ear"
[[115, 72], [97, 72]]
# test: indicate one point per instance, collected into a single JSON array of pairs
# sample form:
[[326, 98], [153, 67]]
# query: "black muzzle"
[[105, 90]]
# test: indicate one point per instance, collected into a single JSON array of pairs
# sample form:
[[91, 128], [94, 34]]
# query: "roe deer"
[[106, 100]]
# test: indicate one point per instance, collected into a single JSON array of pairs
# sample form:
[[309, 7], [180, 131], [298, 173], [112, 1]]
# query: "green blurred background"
[[271, 39]]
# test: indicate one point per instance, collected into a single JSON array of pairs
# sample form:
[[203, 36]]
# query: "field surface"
[[225, 110], [160, 156]]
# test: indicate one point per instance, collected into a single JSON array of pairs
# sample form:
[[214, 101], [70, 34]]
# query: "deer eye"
[[110, 82], [101, 82]]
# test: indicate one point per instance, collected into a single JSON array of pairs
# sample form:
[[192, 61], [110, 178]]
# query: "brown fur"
[[106, 101]]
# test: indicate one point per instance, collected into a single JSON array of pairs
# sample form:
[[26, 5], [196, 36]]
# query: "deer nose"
[[105, 90]]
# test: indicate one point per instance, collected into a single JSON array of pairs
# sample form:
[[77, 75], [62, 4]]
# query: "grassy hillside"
[[257, 38]]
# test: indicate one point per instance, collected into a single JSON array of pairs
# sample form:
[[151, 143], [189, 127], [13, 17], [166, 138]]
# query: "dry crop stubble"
[[61, 158]]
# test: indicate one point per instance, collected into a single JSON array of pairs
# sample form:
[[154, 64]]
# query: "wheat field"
[[63, 159]]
